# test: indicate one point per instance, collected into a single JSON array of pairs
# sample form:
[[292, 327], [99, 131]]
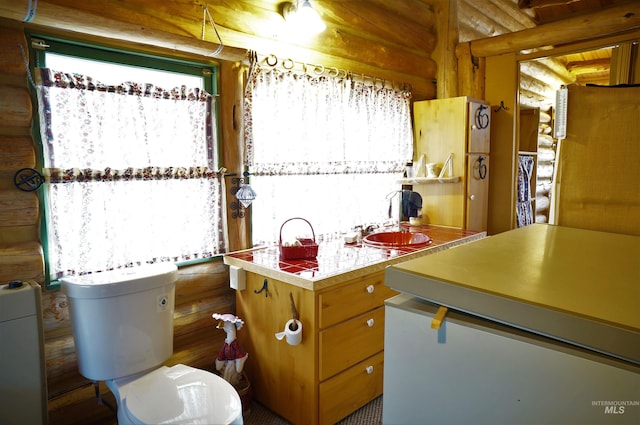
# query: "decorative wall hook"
[[502, 106], [28, 179], [482, 117], [265, 288]]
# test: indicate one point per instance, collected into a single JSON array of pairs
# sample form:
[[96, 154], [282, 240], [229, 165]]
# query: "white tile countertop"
[[338, 261]]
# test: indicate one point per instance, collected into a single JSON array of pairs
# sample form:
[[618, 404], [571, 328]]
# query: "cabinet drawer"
[[346, 344], [353, 298], [347, 392]]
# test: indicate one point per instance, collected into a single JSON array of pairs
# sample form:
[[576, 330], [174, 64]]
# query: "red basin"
[[397, 239]]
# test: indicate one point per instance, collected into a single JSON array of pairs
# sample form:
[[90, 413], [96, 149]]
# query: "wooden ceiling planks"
[[384, 23], [491, 18], [389, 39], [545, 11]]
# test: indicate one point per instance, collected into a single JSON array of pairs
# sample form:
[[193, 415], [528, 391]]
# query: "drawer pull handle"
[[370, 323], [370, 289], [369, 370]]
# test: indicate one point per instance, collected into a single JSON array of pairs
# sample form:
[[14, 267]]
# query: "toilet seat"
[[180, 394]]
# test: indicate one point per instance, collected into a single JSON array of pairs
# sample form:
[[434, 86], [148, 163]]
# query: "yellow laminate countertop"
[[576, 285]]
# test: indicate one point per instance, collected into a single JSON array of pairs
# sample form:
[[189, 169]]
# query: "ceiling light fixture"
[[302, 17]]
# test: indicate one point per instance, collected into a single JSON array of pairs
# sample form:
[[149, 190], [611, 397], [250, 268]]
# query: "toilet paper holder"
[[293, 328]]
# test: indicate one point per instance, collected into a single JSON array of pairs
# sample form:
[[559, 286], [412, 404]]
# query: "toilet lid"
[[182, 394]]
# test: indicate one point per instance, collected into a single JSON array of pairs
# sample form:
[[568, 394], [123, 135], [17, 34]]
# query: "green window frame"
[[40, 44]]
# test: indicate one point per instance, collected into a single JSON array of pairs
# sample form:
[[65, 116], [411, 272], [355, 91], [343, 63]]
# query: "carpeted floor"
[[369, 414]]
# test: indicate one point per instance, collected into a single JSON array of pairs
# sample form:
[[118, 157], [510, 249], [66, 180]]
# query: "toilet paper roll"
[[292, 337]]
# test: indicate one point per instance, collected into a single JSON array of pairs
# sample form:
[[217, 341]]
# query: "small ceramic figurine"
[[231, 358]]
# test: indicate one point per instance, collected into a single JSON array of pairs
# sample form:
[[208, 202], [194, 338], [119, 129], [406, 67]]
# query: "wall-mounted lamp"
[[302, 17], [244, 194]]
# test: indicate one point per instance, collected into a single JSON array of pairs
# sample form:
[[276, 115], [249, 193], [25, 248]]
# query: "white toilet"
[[122, 324]]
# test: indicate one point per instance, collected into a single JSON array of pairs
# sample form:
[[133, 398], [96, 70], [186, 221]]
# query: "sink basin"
[[397, 239]]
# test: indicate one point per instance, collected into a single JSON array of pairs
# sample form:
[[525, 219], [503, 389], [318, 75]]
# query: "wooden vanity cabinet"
[[338, 366]]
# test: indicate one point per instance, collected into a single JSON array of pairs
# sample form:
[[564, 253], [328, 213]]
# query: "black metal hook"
[[482, 118], [502, 106], [28, 179], [265, 288], [482, 168]]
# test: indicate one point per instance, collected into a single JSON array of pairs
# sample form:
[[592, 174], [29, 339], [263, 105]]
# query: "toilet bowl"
[[122, 322], [176, 395]]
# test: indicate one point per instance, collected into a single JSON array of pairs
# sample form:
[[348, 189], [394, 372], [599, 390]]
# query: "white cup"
[[432, 170]]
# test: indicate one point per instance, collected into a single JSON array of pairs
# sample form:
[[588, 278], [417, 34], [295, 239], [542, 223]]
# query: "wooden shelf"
[[428, 180]]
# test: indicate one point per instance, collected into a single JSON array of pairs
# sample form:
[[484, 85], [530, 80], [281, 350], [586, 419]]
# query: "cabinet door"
[[441, 129], [479, 128], [477, 192], [274, 366]]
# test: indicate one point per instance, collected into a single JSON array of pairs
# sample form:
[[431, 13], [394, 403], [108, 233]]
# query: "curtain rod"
[[289, 64]]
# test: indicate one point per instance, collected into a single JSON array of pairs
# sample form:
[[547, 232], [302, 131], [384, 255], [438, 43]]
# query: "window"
[[327, 149], [130, 158]]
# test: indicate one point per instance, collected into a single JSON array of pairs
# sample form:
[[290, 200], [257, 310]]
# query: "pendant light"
[[303, 18]]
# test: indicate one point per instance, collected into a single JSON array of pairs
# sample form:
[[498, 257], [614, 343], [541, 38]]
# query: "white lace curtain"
[[323, 148], [130, 172]]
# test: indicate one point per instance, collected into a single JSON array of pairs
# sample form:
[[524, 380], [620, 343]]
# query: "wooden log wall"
[[20, 252], [201, 289]]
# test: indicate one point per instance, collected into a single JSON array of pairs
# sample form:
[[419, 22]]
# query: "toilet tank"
[[122, 320]]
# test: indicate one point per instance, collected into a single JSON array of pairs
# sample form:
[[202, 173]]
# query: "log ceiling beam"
[[547, 72], [496, 16], [77, 21], [471, 16], [530, 4], [605, 22], [590, 66], [517, 16], [384, 24]]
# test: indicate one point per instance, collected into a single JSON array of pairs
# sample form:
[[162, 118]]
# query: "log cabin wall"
[[19, 213], [200, 290]]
